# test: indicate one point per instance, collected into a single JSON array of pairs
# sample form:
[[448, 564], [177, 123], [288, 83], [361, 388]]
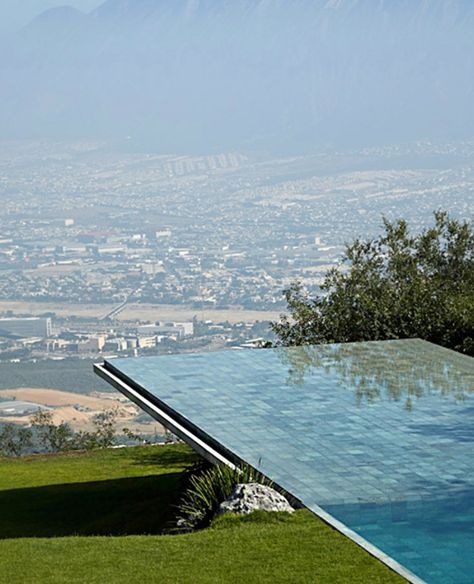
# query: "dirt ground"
[[148, 312], [78, 410]]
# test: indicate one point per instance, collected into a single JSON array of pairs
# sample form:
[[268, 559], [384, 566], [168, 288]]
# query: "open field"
[[55, 398], [149, 312], [78, 410], [54, 507]]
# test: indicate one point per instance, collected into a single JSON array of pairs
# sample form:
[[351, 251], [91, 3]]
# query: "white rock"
[[250, 497]]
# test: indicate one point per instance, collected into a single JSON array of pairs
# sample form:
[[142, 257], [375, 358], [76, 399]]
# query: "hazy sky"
[[16, 13], [280, 76]]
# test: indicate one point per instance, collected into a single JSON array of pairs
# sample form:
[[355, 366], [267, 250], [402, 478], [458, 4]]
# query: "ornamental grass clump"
[[208, 489]]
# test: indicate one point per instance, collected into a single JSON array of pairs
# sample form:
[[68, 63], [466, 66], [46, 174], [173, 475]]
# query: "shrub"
[[208, 489], [62, 438], [52, 437]]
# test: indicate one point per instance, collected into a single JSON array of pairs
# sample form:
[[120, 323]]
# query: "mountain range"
[[282, 75]]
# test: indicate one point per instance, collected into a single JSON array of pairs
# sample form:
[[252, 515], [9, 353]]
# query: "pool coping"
[[218, 454]]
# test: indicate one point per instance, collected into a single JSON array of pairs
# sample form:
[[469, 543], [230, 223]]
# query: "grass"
[[97, 517]]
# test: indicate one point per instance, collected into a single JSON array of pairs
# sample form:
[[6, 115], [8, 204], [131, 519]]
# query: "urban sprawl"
[[123, 252]]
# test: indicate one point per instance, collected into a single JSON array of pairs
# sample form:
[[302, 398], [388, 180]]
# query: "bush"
[[52, 437], [208, 489], [62, 438], [14, 440]]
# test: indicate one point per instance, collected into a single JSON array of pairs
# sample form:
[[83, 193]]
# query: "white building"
[[178, 329]]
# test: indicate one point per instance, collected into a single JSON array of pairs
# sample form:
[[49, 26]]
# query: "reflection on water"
[[430, 538], [395, 370]]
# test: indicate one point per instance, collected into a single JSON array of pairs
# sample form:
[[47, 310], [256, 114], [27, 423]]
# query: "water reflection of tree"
[[394, 370]]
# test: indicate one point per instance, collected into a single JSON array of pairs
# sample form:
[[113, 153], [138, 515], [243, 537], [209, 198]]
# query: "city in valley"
[[123, 253]]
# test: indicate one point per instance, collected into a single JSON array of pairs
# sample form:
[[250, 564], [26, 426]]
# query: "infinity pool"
[[378, 435]]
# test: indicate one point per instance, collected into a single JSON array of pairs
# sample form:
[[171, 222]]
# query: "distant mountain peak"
[[222, 73], [55, 18], [59, 13]]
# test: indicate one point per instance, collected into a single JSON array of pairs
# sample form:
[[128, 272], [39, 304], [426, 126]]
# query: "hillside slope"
[[53, 508]]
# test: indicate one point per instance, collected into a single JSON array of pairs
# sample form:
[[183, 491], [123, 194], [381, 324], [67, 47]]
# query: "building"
[[172, 329], [115, 345], [26, 327], [147, 342], [92, 345]]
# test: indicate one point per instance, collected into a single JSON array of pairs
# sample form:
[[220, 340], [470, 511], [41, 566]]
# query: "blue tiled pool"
[[380, 435]]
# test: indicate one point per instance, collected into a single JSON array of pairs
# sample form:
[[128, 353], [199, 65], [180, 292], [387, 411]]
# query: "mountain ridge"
[[258, 74]]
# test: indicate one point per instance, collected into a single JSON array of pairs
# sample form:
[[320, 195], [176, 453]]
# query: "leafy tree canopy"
[[396, 286]]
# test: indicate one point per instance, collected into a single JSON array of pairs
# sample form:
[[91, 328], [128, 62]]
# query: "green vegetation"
[[46, 436], [393, 287], [54, 437], [132, 493], [208, 488], [14, 440]]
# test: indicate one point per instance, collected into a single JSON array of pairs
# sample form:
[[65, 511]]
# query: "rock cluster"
[[250, 497]]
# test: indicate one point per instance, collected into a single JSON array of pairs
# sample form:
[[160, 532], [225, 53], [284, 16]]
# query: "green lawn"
[[97, 518]]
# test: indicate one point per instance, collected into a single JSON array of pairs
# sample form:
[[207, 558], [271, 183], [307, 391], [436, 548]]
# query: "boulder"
[[250, 497]]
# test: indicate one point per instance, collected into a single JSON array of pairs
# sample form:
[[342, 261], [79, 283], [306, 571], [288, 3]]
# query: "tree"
[[104, 433], [392, 287], [14, 440], [62, 438], [105, 428], [55, 438]]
